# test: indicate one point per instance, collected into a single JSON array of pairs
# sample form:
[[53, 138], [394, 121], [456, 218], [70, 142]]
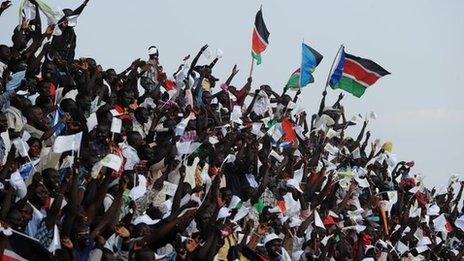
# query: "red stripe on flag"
[[287, 128], [258, 45], [359, 72]]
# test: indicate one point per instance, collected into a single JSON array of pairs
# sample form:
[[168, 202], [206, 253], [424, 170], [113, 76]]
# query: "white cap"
[[152, 50], [268, 238]]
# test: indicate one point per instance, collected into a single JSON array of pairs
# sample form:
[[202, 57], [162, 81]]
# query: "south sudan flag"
[[260, 37], [354, 74]]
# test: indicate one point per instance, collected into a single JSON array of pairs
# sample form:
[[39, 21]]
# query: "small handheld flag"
[[310, 59], [354, 74], [260, 38]]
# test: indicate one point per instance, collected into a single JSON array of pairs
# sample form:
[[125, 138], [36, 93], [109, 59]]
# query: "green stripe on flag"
[[257, 57], [293, 82], [350, 86]]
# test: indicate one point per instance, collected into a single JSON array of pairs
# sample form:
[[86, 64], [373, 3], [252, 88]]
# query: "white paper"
[[433, 210], [362, 182], [439, 223], [180, 128], [116, 125], [92, 121], [213, 140], [234, 202], [169, 188], [460, 222], [236, 114], [251, 180], [317, 220], [115, 113], [21, 146], [295, 184], [402, 248], [356, 154], [112, 161], [183, 147], [331, 133], [276, 156], [256, 129]]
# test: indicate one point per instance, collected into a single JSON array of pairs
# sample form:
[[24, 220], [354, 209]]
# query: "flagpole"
[[252, 65], [332, 67]]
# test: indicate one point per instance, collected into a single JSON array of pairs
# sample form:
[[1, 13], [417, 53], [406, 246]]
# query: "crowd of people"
[[142, 165]]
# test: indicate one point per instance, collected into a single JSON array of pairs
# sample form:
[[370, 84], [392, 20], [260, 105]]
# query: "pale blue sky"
[[419, 41]]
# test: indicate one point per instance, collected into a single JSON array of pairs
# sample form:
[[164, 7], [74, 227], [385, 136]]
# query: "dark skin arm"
[[50, 132], [155, 238], [9, 162], [322, 105], [33, 64], [112, 214], [302, 228], [73, 203], [337, 103], [36, 43], [361, 134], [52, 214], [91, 211], [295, 99], [195, 60], [178, 194], [77, 11], [252, 104], [263, 185], [366, 141], [344, 202], [213, 63], [232, 75]]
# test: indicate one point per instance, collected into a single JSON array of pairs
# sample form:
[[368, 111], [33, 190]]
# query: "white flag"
[[68, 142]]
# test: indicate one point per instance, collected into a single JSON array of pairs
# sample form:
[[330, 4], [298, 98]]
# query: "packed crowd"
[[142, 165]]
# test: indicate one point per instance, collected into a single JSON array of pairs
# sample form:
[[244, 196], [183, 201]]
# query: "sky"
[[421, 42]]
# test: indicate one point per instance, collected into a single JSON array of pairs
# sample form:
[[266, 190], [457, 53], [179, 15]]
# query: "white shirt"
[[131, 156]]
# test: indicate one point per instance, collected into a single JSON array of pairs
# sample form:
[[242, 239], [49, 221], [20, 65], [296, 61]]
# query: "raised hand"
[[235, 70], [204, 48], [5, 5]]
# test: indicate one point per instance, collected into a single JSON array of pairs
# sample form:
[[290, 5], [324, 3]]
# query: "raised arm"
[[264, 183], [178, 195], [91, 211], [361, 134], [195, 60], [322, 105], [232, 75]]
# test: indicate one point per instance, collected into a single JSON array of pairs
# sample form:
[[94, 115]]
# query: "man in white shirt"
[[129, 152]]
